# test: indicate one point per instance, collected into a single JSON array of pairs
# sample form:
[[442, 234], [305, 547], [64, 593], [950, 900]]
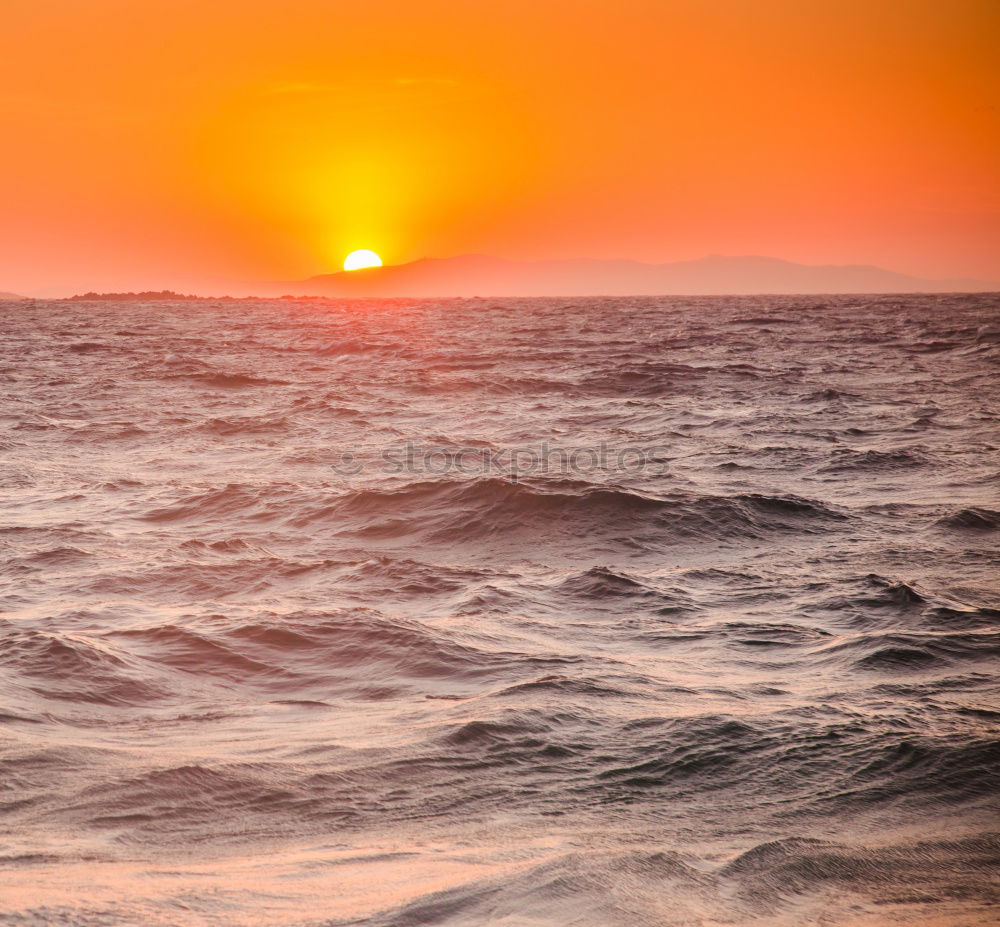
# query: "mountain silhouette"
[[480, 275]]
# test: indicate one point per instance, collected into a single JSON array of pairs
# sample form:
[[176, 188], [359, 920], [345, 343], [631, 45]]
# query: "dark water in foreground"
[[746, 682]]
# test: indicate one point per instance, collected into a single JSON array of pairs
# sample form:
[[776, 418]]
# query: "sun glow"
[[357, 260]]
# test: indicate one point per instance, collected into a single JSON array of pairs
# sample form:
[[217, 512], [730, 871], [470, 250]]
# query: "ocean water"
[[509, 612]]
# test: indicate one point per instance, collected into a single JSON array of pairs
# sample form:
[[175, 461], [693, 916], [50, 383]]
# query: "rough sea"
[[529, 613]]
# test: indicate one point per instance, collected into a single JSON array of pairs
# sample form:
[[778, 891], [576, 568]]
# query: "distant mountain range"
[[479, 275]]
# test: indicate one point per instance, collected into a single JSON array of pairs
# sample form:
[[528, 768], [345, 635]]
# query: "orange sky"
[[191, 143]]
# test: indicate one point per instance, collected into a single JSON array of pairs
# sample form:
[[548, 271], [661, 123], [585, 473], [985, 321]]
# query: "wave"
[[850, 461], [869, 601], [603, 583], [234, 380], [785, 881], [585, 889], [899, 652], [245, 425], [781, 875], [318, 651], [971, 519], [87, 347], [456, 510], [73, 668], [233, 499], [920, 773], [194, 370]]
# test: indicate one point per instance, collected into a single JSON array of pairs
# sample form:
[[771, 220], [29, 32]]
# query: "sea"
[[516, 612]]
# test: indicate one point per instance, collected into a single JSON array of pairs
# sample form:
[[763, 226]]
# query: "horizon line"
[[370, 273]]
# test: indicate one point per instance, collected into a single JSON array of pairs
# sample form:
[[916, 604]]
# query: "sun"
[[357, 260]]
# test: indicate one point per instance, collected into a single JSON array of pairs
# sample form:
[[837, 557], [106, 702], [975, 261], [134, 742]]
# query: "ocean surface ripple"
[[288, 639]]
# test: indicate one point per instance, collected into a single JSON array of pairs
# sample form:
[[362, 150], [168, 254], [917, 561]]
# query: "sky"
[[194, 144]]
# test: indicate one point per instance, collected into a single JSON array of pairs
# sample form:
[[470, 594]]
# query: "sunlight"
[[358, 260]]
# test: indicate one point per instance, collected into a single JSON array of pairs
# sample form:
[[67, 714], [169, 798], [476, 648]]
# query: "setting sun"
[[358, 260]]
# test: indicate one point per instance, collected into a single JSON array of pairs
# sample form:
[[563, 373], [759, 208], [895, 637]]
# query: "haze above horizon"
[[188, 146]]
